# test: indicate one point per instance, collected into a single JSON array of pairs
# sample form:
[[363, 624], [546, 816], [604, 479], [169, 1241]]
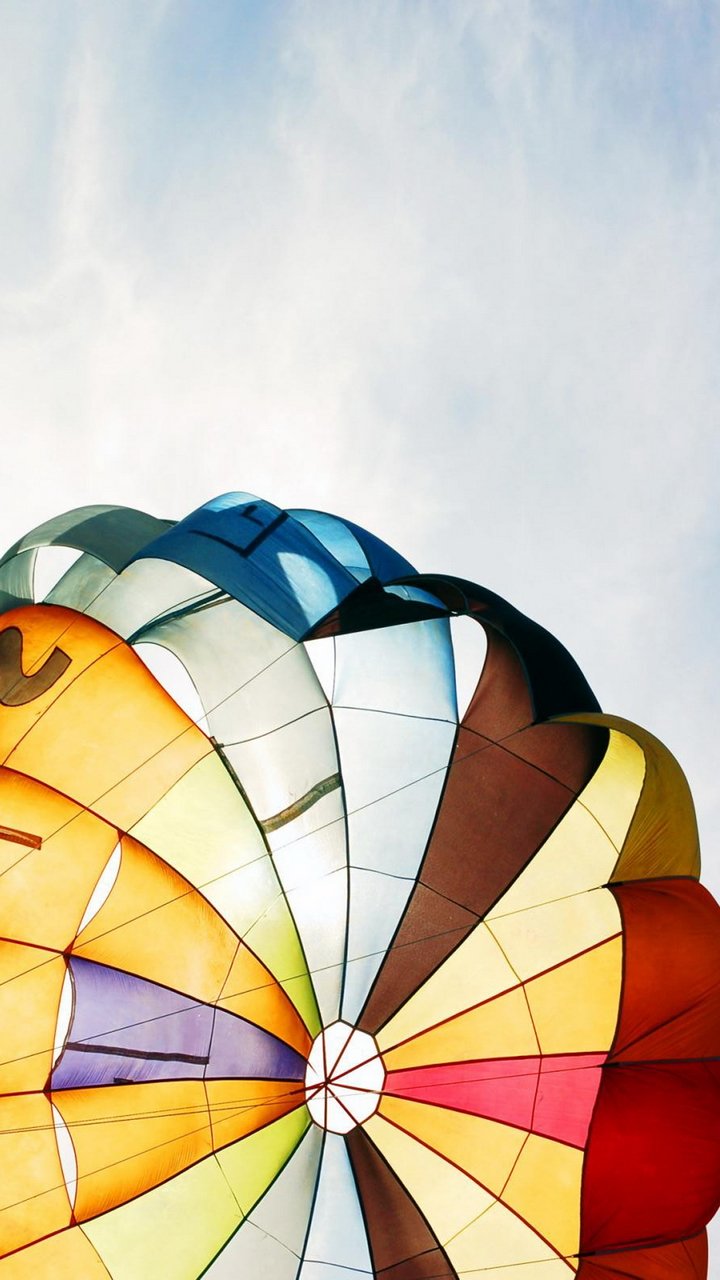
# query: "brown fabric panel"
[[570, 752], [496, 811], [402, 1245], [502, 703], [17, 689], [431, 929], [499, 805]]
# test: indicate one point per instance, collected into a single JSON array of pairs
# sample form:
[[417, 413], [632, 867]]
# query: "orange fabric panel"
[[31, 981], [239, 1107], [44, 891], [120, 754], [45, 630], [251, 992], [130, 1138], [67, 1254], [663, 837], [33, 1199], [155, 924]]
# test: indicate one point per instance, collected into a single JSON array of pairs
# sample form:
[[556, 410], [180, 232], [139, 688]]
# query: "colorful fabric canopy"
[[307, 975]]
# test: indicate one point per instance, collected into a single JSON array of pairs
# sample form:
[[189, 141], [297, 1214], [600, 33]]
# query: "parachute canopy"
[[311, 971]]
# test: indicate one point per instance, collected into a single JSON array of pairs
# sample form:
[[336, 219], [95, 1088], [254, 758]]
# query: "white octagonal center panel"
[[344, 1078]]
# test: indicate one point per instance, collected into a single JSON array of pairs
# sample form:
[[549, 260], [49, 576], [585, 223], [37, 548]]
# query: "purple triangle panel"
[[125, 1029]]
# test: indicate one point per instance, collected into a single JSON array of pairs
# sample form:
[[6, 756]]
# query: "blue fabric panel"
[[262, 557], [385, 563], [337, 538], [406, 592]]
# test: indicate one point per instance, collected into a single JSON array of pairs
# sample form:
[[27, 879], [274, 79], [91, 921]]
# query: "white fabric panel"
[[51, 564], [337, 1247], [470, 650], [401, 683], [278, 769], [269, 1243], [144, 591], [375, 899], [393, 769], [322, 655], [251, 677], [174, 677], [83, 584], [407, 669], [16, 578], [310, 859]]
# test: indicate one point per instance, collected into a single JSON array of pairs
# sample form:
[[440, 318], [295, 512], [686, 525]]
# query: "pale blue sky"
[[449, 269]]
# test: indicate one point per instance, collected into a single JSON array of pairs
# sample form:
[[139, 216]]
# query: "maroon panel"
[[402, 1245], [671, 995], [686, 1260], [652, 1166]]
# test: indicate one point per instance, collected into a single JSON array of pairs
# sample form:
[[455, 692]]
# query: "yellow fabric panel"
[[203, 828], [448, 1198], [500, 1028], [576, 856], [67, 1254], [251, 992], [484, 1149], [239, 1107], [158, 926], [30, 985], [478, 1232], [33, 1199], [544, 1188], [613, 792], [253, 1163], [120, 754], [542, 936], [274, 939], [172, 1231], [662, 839], [45, 628], [476, 971], [500, 1246], [44, 892], [128, 1139], [575, 1006]]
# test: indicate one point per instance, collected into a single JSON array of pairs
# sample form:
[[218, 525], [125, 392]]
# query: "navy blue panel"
[[261, 556]]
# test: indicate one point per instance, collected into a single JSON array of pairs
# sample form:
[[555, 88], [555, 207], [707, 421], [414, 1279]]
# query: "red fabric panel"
[[500, 1090], [652, 1167], [553, 1096], [670, 1004], [566, 1096], [686, 1260]]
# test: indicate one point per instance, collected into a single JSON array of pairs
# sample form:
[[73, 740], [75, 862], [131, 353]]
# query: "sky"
[[447, 269]]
